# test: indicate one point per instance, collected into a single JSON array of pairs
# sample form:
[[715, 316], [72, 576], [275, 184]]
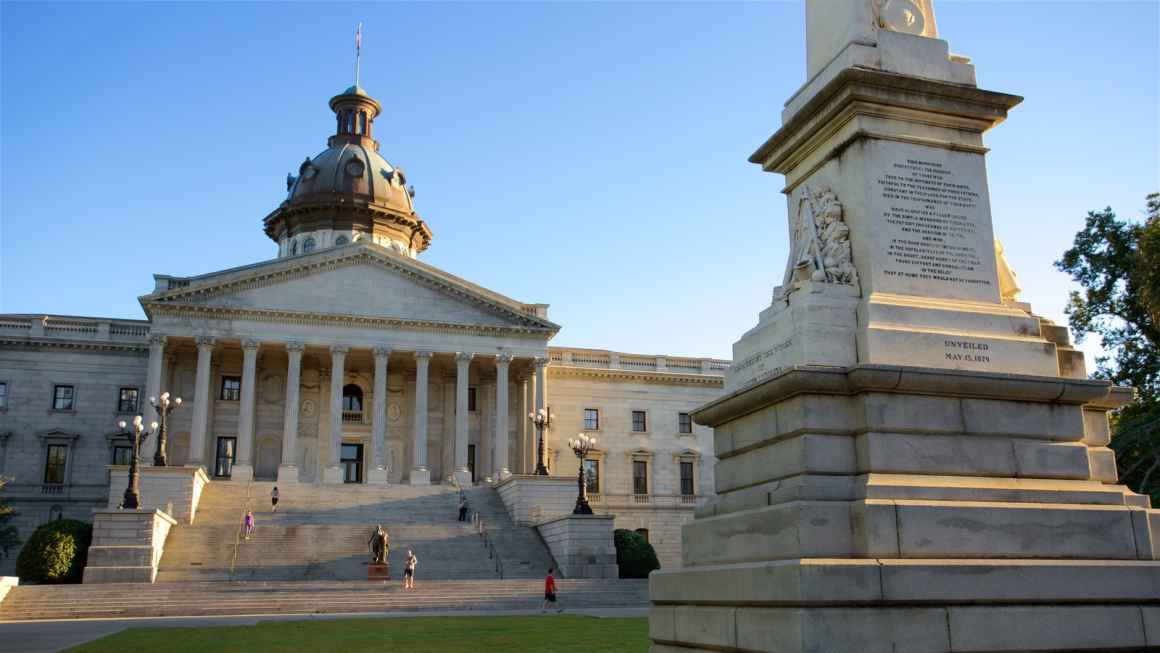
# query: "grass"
[[555, 633]]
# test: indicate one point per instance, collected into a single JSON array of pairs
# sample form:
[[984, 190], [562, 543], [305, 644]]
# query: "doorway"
[[471, 461], [352, 463], [227, 455]]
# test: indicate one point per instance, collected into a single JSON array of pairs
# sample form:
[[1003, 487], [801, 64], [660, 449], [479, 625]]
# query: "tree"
[[1117, 264], [8, 534], [55, 552], [635, 557]]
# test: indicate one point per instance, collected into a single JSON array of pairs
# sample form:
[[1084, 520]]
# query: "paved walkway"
[[56, 635]]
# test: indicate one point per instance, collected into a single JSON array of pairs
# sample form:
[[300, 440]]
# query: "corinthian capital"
[[295, 346], [463, 357], [503, 358]]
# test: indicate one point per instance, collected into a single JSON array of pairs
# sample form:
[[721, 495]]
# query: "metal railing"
[[246, 507], [488, 543], [352, 417]]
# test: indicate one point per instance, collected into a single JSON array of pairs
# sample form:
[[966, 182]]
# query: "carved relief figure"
[[821, 241], [907, 16], [1008, 283]]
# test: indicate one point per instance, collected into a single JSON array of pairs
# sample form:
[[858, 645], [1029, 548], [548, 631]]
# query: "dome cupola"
[[348, 192]]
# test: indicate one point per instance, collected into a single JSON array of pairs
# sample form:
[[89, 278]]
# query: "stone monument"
[[908, 458]]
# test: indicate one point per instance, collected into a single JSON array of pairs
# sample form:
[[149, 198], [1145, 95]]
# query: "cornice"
[[331, 319], [94, 345], [280, 271], [557, 370]]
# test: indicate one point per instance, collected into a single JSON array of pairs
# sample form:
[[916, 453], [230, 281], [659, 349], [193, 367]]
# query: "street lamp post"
[[540, 419], [163, 408], [581, 446], [139, 435]]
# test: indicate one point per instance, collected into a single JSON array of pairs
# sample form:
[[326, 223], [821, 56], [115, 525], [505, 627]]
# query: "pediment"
[[356, 281]]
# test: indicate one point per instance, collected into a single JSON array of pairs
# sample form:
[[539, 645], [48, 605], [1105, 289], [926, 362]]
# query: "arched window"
[[341, 240], [362, 122], [352, 398], [308, 245]]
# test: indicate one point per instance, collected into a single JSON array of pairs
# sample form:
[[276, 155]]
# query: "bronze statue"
[[380, 545]]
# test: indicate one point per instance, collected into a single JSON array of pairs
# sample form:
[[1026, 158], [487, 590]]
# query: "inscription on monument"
[[933, 215], [967, 352]]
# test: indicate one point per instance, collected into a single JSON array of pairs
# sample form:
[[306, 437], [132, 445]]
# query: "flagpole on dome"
[[357, 52]]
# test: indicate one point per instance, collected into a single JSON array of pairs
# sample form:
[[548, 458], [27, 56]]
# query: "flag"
[[358, 38]]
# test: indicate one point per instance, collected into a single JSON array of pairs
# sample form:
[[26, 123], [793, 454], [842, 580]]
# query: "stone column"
[[377, 474], [201, 401], [526, 466], [333, 471], [153, 379], [288, 470], [462, 363], [540, 453], [420, 475], [500, 464], [244, 467]]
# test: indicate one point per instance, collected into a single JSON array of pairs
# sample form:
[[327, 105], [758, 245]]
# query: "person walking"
[[249, 523], [462, 507], [274, 499], [409, 570], [550, 591]]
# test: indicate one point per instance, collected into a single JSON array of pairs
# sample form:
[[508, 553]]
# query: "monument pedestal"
[[287, 474], [379, 571], [886, 508], [377, 476], [332, 475], [420, 476]]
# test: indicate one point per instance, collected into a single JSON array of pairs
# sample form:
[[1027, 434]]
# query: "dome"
[[349, 188]]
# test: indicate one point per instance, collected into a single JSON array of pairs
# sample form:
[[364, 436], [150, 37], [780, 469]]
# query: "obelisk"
[[908, 458]]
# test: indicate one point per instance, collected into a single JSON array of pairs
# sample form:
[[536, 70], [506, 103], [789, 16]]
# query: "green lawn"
[[555, 633]]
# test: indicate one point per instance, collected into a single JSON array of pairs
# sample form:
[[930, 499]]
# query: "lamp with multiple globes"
[[541, 419], [163, 408], [138, 436], [582, 445]]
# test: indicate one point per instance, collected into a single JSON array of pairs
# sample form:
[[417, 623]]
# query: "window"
[[127, 400], [643, 532], [63, 397], [352, 399], [687, 478], [308, 245], [592, 476], [294, 248], [471, 400], [591, 419], [122, 455], [54, 463], [55, 513], [231, 388], [684, 423], [3, 396], [341, 240], [640, 477], [639, 422]]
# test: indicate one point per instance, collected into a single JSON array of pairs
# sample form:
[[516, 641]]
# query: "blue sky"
[[590, 156]]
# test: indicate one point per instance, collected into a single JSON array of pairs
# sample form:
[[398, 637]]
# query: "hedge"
[[634, 555], [56, 552]]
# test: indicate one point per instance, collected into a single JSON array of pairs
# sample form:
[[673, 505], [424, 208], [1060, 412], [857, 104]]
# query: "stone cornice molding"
[[671, 378], [94, 345], [57, 434], [348, 321], [280, 270]]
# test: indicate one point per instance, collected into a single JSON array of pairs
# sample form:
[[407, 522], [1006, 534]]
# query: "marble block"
[[379, 571]]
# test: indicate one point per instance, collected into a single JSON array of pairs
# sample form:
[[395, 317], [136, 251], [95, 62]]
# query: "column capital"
[[463, 356], [205, 342], [423, 355], [296, 346], [503, 358], [251, 344], [339, 349], [540, 361], [157, 340], [381, 351]]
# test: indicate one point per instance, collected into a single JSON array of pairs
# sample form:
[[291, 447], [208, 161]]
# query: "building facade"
[[346, 359]]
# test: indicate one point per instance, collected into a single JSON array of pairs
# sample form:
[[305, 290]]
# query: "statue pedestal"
[[886, 508], [377, 571]]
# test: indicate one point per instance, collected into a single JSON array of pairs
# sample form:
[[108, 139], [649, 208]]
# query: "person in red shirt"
[[550, 591]]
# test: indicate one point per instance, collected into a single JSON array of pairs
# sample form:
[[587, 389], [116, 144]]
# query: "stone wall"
[[533, 499], [127, 546], [582, 545], [6, 585], [174, 490]]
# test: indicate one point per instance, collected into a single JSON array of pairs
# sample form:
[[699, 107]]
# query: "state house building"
[[346, 359]]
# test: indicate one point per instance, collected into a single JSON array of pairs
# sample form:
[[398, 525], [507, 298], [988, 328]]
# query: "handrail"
[[241, 526], [488, 543]]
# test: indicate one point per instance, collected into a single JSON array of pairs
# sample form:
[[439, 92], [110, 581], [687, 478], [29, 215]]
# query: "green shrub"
[[634, 555], [56, 552]]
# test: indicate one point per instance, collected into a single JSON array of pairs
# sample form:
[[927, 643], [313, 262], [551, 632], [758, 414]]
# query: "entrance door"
[[227, 455], [352, 463], [471, 460]]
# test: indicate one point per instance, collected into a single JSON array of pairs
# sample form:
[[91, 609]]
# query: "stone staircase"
[[112, 601], [320, 532]]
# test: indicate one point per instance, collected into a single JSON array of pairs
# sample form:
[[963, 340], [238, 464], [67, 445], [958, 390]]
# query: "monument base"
[[379, 571], [332, 475], [463, 477], [241, 472], [887, 508]]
